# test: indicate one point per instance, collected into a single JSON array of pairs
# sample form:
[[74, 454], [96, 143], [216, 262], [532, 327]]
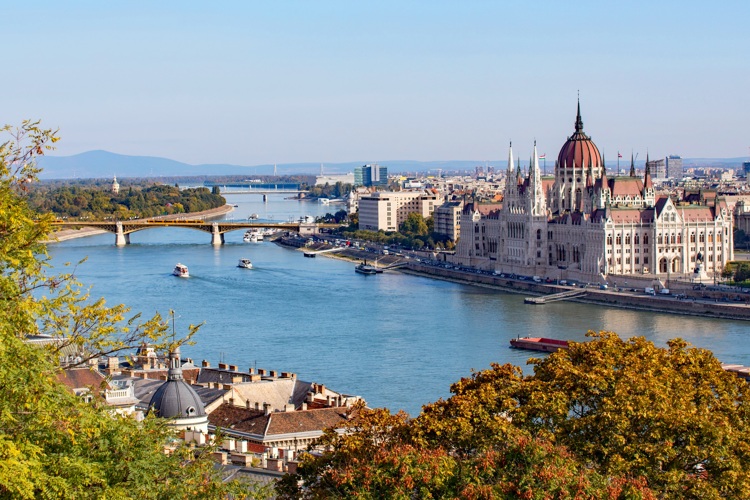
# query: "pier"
[[568, 294]]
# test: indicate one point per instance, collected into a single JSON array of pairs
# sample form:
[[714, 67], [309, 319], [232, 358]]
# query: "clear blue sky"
[[329, 81]]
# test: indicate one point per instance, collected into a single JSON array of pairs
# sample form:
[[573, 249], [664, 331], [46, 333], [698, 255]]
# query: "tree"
[[603, 419], [414, 225], [52, 443]]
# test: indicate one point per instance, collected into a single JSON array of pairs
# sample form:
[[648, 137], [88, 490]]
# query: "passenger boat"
[[245, 264], [539, 344], [364, 269], [252, 235], [181, 270], [253, 217]]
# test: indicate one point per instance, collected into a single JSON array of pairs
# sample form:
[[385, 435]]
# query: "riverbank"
[[703, 303], [70, 234]]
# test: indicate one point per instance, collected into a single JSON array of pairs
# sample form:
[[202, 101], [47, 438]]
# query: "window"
[[637, 239], [618, 239], [645, 239], [627, 239]]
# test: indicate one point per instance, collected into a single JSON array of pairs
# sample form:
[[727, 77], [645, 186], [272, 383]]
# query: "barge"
[[538, 344]]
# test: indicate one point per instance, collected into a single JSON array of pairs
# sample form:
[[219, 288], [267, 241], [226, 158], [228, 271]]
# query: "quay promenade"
[[721, 303]]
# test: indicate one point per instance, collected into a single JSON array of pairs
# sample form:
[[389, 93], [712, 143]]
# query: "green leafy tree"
[[414, 225], [52, 443]]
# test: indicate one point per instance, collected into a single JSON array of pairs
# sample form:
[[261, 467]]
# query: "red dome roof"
[[579, 150]]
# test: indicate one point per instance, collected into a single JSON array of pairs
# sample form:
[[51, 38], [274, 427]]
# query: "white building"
[[583, 224], [386, 210]]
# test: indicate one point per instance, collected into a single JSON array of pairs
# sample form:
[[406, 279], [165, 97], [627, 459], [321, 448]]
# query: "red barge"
[[539, 344]]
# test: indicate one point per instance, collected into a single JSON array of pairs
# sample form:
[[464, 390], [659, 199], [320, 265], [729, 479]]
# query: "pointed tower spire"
[[511, 167], [647, 182], [579, 121], [632, 165]]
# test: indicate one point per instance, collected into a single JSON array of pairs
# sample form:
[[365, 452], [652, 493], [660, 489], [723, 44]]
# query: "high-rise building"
[[674, 167], [371, 175], [746, 169], [658, 168]]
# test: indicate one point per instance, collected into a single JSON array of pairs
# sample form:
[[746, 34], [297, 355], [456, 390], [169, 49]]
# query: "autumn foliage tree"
[[52, 443], [605, 419]]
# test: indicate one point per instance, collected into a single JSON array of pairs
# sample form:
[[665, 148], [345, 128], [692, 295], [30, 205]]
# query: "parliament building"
[[585, 224]]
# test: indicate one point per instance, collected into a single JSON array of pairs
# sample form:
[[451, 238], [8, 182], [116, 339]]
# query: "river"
[[398, 341]]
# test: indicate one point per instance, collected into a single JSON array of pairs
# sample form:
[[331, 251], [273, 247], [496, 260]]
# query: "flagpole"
[[618, 163]]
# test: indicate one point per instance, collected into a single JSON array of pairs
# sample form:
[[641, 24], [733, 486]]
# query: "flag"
[[619, 155], [541, 157]]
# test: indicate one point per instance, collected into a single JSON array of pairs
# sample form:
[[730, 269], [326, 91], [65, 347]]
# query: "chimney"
[[272, 373], [267, 408], [304, 406], [257, 406], [328, 400], [288, 407], [227, 387], [205, 364], [233, 368], [222, 366], [251, 371], [287, 375], [261, 372]]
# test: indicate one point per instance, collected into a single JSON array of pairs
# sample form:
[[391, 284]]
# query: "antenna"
[[274, 169]]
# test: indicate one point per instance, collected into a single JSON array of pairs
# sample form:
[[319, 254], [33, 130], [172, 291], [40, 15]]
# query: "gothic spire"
[[579, 121], [632, 165]]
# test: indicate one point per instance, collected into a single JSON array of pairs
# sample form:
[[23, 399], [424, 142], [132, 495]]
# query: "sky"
[[250, 83]]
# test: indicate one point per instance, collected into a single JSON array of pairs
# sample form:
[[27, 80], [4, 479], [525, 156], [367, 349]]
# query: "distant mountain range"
[[103, 164]]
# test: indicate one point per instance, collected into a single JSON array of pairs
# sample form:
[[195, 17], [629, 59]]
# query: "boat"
[[245, 264], [310, 255], [252, 235], [324, 201], [364, 269], [539, 344], [253, 217], [181, 270]]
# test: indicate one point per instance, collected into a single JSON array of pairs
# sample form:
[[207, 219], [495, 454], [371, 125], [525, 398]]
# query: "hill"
[[103, 164]]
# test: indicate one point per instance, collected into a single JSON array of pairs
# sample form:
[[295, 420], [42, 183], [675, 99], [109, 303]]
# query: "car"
[[572, 283], [563, 282]]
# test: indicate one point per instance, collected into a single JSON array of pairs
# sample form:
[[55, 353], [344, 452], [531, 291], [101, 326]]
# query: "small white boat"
[[181, 270], [253, 235], [253, 217], [245, 264]]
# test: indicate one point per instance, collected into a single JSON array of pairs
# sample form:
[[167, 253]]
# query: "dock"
[[568, 294]]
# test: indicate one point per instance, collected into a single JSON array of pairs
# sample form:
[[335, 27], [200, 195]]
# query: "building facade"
[[674, 167], [448, 219], [371, 175], [386, 210], [585, 225]]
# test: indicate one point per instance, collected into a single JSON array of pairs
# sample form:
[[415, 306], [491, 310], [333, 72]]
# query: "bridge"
[[546, 299], [123, 229]]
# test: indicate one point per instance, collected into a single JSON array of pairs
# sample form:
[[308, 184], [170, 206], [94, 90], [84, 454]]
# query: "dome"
[[175, 399], [579, 150]]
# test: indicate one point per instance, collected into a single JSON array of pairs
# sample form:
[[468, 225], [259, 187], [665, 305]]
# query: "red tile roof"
[[78, 378], [626, 186]]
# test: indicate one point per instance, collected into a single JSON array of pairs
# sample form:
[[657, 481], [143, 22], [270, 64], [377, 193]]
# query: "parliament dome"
[[579, 151]]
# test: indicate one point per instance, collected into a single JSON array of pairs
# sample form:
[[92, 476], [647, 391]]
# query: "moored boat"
[[181, 270], [539, 344], [245, 264], [364, 269]]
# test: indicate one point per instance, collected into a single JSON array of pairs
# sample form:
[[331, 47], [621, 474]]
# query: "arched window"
[[637, 239], [538, 234]]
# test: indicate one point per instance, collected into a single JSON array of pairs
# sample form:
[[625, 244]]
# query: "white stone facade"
[[386, 210], [583, 225]]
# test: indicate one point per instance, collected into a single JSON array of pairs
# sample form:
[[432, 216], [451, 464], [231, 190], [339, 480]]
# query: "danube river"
[[396, 340]]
